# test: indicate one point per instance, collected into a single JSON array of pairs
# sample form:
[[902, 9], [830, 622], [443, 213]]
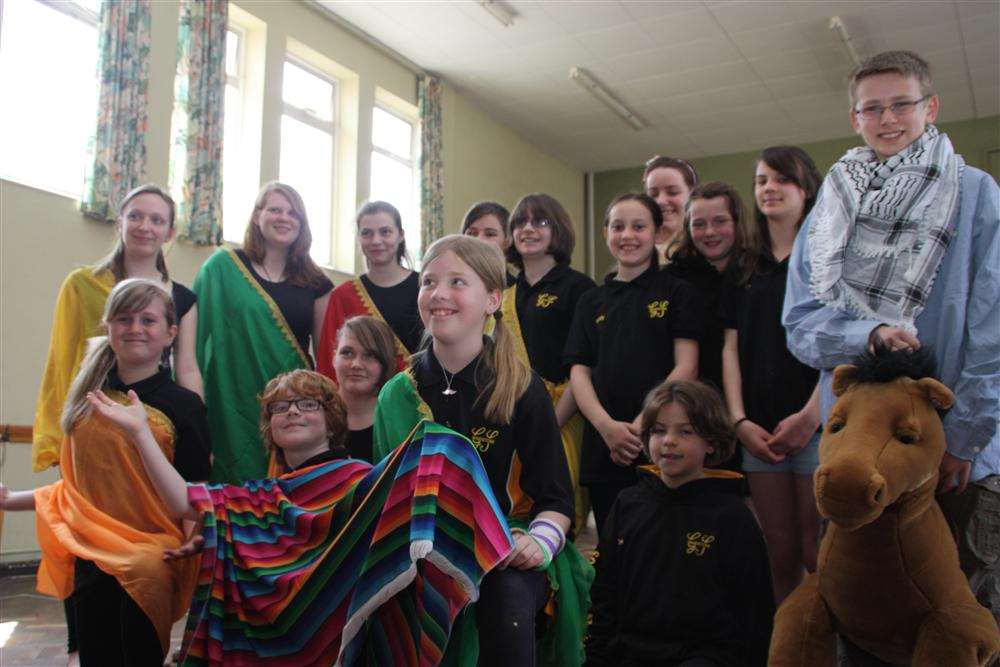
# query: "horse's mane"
[[885, 365]]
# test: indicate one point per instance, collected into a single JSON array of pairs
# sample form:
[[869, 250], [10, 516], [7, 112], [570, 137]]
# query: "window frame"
[[331, 127]]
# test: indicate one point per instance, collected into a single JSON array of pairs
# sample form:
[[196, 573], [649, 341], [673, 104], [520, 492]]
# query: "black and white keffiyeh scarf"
[[880, 229]]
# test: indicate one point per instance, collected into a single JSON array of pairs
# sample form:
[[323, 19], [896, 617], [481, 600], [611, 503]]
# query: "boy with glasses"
[[903, 250]]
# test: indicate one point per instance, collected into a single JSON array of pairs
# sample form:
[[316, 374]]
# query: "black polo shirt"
[[532, 435], [710, 284], [545, 313], [184, 409], [398, 306], [775, 383], [625, 331]]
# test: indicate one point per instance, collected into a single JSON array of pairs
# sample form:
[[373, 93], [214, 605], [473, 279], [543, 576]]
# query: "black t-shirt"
[[533, 435], [625, 331], [710, 284], [398, 305], [359, 443], [185, 410], [295, 303], [545, 313], [183, 299], [775, 383]]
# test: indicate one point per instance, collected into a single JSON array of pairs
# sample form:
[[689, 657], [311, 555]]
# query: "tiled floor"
[[39, 639]]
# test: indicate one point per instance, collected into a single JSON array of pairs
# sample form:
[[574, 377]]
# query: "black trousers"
[[111, 629], [509, 601]]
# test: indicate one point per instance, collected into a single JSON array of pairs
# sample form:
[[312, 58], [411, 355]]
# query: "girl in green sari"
[[260, 306], [479, 387]]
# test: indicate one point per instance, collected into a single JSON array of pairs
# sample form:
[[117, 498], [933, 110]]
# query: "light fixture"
[[498, 11], [583, 78], [837, 25]]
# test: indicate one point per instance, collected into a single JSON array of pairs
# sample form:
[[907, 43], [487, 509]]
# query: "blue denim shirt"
[[961, 322]]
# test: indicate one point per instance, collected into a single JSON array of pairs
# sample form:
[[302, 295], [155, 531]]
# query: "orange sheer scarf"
[[106, 510]]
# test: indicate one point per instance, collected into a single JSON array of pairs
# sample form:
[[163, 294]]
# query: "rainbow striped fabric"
[[345, 563]]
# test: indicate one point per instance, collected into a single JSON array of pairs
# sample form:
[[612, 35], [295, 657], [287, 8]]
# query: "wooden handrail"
[[15, 433]]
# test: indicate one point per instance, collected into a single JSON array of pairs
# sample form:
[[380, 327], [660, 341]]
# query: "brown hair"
[[904, 63], [705, 412], [115, 260], [687, 170], [128, 296], [375, 337], [543, 207], [484, 208], [794, 164], [682, 244], [374, 207], [304, 384], [300, 268], [509, 375]]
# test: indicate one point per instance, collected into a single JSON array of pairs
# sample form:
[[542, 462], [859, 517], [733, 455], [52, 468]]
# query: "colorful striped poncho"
[[345, 563]]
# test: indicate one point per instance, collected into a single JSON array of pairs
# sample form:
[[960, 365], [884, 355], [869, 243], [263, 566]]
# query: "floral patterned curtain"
[[200, 91], [431, 172], [119, 146]]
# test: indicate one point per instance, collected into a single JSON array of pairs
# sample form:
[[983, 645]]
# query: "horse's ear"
[[843, 377], [937, 393]]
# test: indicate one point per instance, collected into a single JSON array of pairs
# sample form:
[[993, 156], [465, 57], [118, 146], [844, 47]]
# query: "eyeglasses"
[[521, 223], [904, 108], [303, 404]]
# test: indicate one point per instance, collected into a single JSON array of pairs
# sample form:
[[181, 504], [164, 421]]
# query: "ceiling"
[[708, 77]]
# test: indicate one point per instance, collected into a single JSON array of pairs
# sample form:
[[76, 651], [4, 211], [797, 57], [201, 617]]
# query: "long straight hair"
[[128, 296], [796, 165], [509, 376], [115, 260], [300, 267]]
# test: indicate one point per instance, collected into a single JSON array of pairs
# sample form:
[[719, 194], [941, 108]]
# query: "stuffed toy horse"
[[888, 576]]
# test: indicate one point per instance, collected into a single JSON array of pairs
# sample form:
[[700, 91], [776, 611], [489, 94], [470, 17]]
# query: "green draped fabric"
[[570, 575], [243, 341]]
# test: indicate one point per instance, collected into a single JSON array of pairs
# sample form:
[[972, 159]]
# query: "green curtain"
[[200, 91], [431, 171], [119, 143]]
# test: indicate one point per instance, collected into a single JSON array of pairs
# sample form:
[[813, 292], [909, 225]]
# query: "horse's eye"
[[907, 438], [835, 427]]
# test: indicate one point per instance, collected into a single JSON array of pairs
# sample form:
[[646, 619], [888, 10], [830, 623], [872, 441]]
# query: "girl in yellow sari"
[[103, 528]]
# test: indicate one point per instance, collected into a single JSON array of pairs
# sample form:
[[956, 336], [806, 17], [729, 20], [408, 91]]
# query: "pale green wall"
[[43, 235], [974, 139]]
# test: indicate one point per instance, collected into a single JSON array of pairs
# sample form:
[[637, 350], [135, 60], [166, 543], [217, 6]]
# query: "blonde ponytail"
[[97, 363], [510, 375]]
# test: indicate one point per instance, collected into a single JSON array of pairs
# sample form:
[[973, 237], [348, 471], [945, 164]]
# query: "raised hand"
[[131, 418]]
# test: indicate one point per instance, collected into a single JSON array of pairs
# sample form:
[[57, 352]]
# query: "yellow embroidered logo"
[[600, 318], [545, 300], [698, 542], [657, 309], [483, 438]]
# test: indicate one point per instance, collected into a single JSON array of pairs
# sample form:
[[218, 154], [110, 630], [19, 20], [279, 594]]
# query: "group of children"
[[627, 398]]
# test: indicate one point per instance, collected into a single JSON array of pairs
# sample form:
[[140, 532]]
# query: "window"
[[394, 171], [49, 112], [308, 131]]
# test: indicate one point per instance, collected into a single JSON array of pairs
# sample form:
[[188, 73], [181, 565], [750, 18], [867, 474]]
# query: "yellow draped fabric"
[[77, 317], [572, 431], [106, 510]]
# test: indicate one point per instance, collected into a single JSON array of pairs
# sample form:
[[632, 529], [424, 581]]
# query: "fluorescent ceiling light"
[[837, 25], [498, 11], [583, 78]]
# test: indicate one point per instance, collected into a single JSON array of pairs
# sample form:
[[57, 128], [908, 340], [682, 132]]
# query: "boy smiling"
[[902, 249]]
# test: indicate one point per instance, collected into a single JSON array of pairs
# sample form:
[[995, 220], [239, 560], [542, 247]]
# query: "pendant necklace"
[[447, 391]]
